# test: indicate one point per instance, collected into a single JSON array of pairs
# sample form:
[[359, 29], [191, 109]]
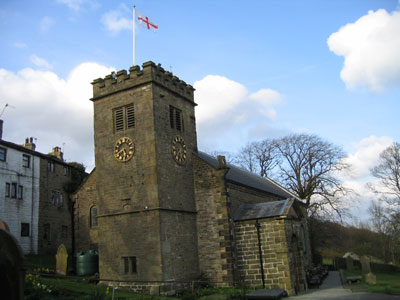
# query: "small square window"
[[3, 154], [24, 229], [26, 161], [129, 264]]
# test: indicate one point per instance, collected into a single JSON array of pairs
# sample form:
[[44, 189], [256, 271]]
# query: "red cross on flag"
[[145, 21]]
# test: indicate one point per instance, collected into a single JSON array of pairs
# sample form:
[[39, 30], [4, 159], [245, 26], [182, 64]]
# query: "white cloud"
[[370, 47], [40, 62], [115, 21], [366, 155], [72, 4], [51, 109], [46, 23], [228, 116]]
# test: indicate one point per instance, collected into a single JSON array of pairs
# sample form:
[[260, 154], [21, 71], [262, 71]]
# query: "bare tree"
[[310, 168], [386, 222], [305, 164], [246, 157], [388, 173], [259, 157]]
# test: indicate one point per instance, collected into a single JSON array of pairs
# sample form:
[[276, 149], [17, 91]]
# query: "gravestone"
[[365, 265], [12, 274], [349, 263], [370, 278], [61, 260]]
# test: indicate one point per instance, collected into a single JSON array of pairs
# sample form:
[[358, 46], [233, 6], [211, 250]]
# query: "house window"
[[129, 264], [13, 190], [66, 171], [8, 190], [46, 232], [175, 118], [124, 117], [57, 198], [20, 192], [93, 216], [3, 154], [24, 229], [26, 161], [51, 167]]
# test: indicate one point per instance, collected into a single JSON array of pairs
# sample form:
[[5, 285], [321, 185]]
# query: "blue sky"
[[260, 69]]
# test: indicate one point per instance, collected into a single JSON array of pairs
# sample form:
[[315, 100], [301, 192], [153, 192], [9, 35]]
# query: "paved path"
[[332, 289]]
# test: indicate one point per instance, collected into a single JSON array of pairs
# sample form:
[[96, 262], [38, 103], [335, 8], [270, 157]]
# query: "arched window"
[[93, 216]]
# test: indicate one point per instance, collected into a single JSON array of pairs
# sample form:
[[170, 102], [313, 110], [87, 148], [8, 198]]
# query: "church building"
[[159, 211]]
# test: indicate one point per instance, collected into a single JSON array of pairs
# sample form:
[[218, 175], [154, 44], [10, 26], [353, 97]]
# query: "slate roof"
[[246, 178], [263, 210], [32, 152]]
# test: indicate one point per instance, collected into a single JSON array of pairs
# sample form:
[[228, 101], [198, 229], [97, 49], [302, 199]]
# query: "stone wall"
[[213, 230], [130, 234], [54, 213], [275, 254], [146, 204], [217, 201], [176, 185], [86, 237], [285, 260]]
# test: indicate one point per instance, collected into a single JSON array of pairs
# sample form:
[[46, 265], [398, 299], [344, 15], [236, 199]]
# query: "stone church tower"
[[145, 137], [161, 213]]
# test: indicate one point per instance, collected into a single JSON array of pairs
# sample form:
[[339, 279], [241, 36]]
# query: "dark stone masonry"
[[161, 212]]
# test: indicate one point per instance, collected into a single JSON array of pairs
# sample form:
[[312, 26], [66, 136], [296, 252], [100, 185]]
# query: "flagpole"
[[133, 44]]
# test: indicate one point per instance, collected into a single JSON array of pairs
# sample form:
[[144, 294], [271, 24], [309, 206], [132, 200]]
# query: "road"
[[332, 289]]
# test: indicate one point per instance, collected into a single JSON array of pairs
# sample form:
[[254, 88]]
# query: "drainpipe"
[[260, 253]]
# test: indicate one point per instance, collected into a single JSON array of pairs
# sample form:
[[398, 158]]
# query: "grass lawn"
[[39, 287], [327, 261], [59, 288], [388, 283]]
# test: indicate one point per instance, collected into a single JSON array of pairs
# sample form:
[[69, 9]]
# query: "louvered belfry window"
[[124, 117], [175, 118]]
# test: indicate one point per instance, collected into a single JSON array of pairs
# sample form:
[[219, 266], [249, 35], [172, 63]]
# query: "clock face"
[[124, 149], [179, 150]]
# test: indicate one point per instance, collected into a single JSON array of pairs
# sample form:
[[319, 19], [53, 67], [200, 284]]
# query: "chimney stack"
[[29, 144], [57, 153]]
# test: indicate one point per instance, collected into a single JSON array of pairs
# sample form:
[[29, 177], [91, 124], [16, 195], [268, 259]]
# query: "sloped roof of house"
[[32, 152], [246, 178]]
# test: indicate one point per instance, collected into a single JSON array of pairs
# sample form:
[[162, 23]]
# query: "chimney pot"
[[29, 144]]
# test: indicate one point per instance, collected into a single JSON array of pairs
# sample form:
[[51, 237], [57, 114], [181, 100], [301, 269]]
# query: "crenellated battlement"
[[150, 72]]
